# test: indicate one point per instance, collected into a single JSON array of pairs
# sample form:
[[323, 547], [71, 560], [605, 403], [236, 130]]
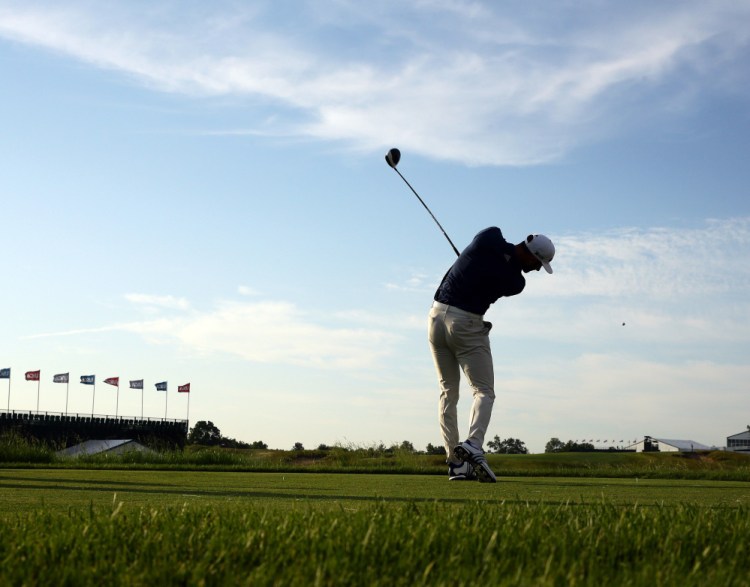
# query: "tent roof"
[[91, 447], [684, 444]]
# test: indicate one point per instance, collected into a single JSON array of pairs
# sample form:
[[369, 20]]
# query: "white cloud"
[[682, 293], [653, 263], [274, 332], [453, 80], [262, 332], [417, 281], [245, 290], [156, 301]]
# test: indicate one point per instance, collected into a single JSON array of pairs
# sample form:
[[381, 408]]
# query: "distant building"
[[739, 442], [651, 444]]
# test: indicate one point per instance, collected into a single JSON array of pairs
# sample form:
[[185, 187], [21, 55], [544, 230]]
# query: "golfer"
[[488, 269]]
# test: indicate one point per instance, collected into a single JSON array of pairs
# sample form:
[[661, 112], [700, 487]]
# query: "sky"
[[196, 193]]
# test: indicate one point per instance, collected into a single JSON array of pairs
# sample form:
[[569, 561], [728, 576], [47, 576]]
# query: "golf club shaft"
[[428, 210]]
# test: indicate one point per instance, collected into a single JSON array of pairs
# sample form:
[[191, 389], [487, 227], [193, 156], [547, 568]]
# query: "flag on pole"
[[137, 384], [34, 376], [5, 374], [63, 378], [163, 387], [88, 379], [185, 389], [116, 382]]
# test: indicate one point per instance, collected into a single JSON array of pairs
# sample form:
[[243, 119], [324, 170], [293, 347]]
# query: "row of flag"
[[606, 441], [91, 380]]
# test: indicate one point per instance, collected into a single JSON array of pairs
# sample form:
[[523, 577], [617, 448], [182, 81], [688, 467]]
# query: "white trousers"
[[460, 341]]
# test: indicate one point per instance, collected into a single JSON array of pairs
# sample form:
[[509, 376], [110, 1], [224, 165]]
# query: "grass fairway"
[[25, 490], [136, 527]]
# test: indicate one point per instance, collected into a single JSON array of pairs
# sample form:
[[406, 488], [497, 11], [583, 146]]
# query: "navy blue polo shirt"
[[485, 270]]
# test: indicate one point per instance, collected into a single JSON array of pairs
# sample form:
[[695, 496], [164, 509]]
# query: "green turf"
[[27, 489], [120, 527]]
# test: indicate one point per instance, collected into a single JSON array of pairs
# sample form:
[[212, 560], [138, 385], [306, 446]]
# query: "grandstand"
[[64, 430]]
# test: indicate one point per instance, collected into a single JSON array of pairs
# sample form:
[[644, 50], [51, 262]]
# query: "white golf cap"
[[542, 248]]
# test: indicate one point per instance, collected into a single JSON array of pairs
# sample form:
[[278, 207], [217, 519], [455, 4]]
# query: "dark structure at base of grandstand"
[[63, 430]]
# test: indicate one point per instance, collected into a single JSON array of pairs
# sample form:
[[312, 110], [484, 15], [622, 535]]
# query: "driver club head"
[[392, 157]]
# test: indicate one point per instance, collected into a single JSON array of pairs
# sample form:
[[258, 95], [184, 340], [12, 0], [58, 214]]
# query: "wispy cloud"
[[277, 332], [245, 290], [417, 281], [260, 332], [655, 263], [680, 292], [157, 301], [450, 79], [676, 291]]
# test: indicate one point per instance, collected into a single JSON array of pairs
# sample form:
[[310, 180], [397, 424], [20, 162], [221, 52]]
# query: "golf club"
[[392, 157]]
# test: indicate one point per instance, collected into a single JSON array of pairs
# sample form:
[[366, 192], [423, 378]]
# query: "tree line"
[[557, 445], [206, 433]]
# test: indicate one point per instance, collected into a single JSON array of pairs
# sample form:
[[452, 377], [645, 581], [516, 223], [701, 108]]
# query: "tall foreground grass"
[[380, 544]]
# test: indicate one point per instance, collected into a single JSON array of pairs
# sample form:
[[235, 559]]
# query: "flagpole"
[[93, 398], [117, 405], [9, 394], [188, 410], [38, 386], [142, 386], [67, 389], [166, 400]]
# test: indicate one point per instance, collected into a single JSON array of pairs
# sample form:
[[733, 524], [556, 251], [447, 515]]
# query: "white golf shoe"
[[467, 452], [461, 472]]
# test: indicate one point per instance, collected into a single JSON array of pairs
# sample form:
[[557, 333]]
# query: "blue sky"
[[196, 193]]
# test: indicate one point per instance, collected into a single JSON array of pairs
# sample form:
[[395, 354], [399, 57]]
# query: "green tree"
[[435, 450], [407, 446], [259, 444], [554, 445], [205, 433], [572, 446], [233, 443], [298, 446], [509, 446]]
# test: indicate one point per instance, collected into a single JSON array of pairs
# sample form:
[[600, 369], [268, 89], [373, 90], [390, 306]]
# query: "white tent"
[[650, 443], [92, 447]]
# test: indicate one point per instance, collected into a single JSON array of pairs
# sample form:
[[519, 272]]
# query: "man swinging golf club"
[[488, 269]]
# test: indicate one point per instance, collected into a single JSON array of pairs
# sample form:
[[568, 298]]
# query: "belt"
[[455, 310]]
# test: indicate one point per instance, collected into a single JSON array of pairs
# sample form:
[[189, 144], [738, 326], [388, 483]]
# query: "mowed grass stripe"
[[24, 490]]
